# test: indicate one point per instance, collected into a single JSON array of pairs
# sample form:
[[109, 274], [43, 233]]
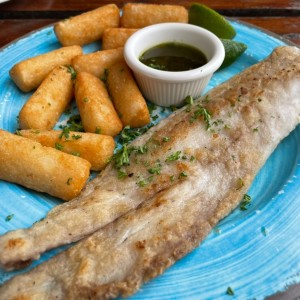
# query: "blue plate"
[[255, 252]]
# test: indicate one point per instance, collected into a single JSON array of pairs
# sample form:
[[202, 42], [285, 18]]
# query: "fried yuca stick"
[[40, 168], [138, 15], [95, 148], [97, 62], [87, 27], [126, 96], [116, 37], [48, 102], [28, 74], [97, 112]]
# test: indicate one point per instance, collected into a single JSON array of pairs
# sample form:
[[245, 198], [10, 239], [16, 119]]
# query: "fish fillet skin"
[[252, 112]]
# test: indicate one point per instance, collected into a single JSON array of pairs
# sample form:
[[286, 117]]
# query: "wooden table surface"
[[19, 17]]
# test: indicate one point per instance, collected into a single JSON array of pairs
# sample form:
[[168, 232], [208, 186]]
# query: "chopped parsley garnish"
[[155, 170], [189, 101], [122, 174], [165, 139], [155, 117], [182, 175], [129, 134], [245, 202], [141, 149], [98, 130], [172, 178], [76, 136], [230, 291], [104, 76], [9, 217], [65, 133], [174, 156], [121, 157], [264, 231], [72, 72], [59, 146], [74, 123], [201, 112], [151, 107], [75, 153], [144, 182]]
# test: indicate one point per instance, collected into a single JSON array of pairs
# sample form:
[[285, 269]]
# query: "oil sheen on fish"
[[199, 163]]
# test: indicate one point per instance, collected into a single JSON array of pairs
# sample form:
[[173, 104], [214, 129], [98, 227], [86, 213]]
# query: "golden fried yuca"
[[138, 15], [97, 62], [126, 96], [87, 27], [47, 103], [29, 73], [97, 112], [95, 148], [116, 37], [40, 168]]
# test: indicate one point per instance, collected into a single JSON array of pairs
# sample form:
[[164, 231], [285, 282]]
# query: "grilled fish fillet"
[[219, 158]]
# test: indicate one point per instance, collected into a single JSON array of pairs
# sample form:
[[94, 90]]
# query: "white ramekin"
[[170, 88]]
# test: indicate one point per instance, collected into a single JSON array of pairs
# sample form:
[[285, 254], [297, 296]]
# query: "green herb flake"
[[128, 134], [172, 178], [264, 231], [202, 112], [85, 99], [151, 107], [121, 157], [122, 174], [65, 133], [18, 132], [192, 158], [98, 130], [245, 202], [72, 72], [76, 153], [206, 99], [255, 129], [230, 291], [59, 146], [141, 149], [104, 76], [155, 117], [155, 170], [74, 123], [188, 101], [69, 180], [9, 217], [165, 139], [174, 156], [76, 136], [144, 182], [182, 175]]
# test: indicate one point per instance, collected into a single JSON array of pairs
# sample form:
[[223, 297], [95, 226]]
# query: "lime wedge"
[[232, 51], [209, 19]]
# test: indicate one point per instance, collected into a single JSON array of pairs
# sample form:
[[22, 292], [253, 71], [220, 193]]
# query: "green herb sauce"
[[173, 57]]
